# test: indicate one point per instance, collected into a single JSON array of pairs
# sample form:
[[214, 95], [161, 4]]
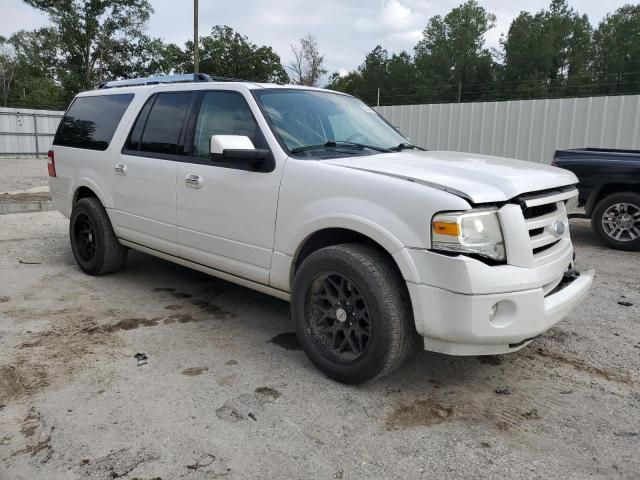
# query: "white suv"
[[309, 195]]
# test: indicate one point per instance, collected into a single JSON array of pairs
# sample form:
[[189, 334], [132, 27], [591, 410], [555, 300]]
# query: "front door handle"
[[120, 168], [194, 181]]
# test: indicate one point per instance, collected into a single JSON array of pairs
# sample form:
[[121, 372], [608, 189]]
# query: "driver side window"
[[222, 113]]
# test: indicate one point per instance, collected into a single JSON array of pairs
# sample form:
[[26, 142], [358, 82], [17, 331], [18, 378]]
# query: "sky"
[[346, 30]]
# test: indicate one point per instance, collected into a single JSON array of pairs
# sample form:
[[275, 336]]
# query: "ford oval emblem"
[[558, 228]]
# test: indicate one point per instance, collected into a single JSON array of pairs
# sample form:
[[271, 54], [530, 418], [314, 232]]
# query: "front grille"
[[539, 210], [544, 247], [540, 219]]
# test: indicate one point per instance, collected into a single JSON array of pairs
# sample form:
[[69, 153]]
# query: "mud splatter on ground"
[[243, 407], [194, 371], [583, 366], [117, 464], [131, 324], [268, 392], [419, 413], [38, 437]]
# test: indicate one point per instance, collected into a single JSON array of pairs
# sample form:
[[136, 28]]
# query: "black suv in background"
[[609, 191]]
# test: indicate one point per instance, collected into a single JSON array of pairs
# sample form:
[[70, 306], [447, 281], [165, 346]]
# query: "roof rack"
[[186, 78]]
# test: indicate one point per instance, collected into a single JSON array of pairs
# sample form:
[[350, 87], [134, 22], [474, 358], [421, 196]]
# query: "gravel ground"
[[22, 173], [225, 391]]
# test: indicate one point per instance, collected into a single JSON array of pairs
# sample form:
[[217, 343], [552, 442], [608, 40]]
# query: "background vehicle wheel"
[[616, 220], [352, 312], [93, 242]]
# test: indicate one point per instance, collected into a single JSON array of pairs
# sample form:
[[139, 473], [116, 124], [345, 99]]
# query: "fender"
[[369, 229], [83, 180]]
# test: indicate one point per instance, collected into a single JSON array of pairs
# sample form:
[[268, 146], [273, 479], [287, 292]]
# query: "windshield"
[[305, 120]]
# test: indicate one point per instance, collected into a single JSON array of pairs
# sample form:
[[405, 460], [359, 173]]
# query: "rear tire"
[[352, 313], [616, 220], [94, 244]]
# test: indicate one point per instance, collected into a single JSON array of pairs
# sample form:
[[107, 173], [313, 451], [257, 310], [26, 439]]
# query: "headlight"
[[474, 231]]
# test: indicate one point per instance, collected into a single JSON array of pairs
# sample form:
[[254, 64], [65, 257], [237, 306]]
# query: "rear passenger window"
[[164, 124], [91, 122]]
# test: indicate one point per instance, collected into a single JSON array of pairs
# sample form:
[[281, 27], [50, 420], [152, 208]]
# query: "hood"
[[478, 178]]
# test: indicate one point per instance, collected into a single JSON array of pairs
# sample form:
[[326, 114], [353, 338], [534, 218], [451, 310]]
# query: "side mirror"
[[236, 149]]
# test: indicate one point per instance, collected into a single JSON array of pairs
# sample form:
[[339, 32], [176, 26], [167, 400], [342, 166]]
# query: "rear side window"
[[91, 122], [163, 126]]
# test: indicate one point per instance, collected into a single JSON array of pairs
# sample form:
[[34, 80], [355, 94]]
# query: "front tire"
[[352, 313], [94, 244], [616, 220]]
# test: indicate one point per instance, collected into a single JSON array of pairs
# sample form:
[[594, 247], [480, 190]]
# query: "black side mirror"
[[236, 149], [241, 155]]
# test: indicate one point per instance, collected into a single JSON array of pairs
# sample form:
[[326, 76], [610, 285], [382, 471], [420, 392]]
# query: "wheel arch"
[[84, 192], [606, 189], [335, 235]]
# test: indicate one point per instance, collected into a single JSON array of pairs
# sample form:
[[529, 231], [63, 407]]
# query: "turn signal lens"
[[443, 228]]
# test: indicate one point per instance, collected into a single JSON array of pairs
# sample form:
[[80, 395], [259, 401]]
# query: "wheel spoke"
[[353, 342], [344, 344], [338, 316]]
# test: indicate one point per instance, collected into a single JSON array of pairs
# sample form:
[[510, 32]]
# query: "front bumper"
[[461, 324]]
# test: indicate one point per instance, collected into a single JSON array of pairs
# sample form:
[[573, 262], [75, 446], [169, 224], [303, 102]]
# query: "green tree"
[[95, 37], [452, 61], [616, 47], [7, 71], [401, 80], [349, 83], [34, 58], [227, 53], [547, 54]]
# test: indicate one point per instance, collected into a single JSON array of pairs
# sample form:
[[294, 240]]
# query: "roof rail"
[[185, 78]]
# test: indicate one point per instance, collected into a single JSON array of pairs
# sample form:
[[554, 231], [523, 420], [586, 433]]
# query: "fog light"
[[492, 312], [502, 314]]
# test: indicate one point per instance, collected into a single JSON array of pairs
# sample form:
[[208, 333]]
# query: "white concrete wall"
[[524, 129]]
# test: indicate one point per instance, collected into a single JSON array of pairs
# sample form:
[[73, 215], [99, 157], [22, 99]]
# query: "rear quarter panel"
[[77, 167]]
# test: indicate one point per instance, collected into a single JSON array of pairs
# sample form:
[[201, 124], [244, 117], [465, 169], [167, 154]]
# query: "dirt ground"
[[22, 173], [223, 391]]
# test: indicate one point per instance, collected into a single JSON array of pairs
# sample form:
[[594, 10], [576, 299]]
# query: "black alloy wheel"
[[338, 317], [85, 237]]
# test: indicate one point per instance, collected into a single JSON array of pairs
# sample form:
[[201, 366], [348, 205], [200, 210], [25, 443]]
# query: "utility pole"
[[196, 42], [378, 96]]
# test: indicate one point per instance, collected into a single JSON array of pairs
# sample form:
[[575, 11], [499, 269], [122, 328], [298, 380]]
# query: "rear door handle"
[[194, 181], [120, 168]]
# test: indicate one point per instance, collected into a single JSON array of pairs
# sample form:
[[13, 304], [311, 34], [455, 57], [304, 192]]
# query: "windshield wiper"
[[404, 146], [339, 143]]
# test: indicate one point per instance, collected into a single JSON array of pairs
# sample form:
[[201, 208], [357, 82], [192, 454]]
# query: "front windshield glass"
[[308, 119]]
